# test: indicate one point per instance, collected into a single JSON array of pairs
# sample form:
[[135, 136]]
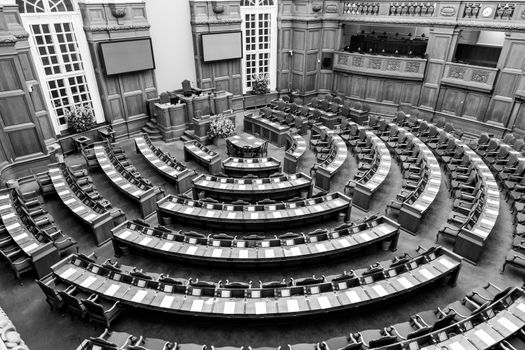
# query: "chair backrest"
[[338, 100], [509, 139]]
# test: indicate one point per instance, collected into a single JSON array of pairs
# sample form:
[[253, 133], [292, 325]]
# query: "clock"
[[487, 11]]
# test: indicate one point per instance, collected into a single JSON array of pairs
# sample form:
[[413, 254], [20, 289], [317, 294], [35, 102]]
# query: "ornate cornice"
[[216, 21], [117, 28], [22, 35], [9, 40]]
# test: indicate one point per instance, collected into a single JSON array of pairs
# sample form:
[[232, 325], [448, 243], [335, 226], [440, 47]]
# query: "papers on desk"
[[167, 301], [112, 290], [139, 296], [88, 282], [485, 337], [260, 307], [68, 273]]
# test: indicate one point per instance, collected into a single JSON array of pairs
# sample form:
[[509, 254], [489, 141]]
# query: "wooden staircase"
[[152, 129]]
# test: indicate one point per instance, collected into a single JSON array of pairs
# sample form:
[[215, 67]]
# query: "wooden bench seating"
[[253, 217], [124, 177], [374, 166], [226, 249], [178, 173], [88, 206], [260, 167], [252, 190], [380, 282], [203, 155], [295, 148]]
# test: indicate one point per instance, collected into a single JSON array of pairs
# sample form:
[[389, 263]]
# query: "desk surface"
[[385, 162], [298, 145], [244, 140], [272, 184], [251, 164], [160, 164]]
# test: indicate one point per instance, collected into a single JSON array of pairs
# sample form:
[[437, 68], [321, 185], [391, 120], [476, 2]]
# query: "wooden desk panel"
[[260, 167]]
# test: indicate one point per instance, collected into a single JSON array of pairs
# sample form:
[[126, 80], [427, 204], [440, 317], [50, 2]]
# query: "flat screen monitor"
[[221, 46], [127, 56]]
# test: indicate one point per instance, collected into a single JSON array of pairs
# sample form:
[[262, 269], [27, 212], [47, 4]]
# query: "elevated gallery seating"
[[202, 155], [231, 250], [230, 189], [477, 202], [306, 296], [331, 153], [421, 173], [178, 173], [75, 190], [486, 318], [253, 216], [259, 167], [10, 339], [126, 178], [374, 166], [295, 148]]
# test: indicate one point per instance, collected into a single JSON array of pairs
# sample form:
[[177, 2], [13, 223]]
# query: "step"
[[151, 125], [185, 138], [155, 137], [151, 130]]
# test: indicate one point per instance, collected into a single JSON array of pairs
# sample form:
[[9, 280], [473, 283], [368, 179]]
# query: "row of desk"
[[260, 167], [253, 217], [295, 148], [420, 199], [232, 250], [202, 155], [166, 165], [100, 220], [272, 131], [42, 254], [252, 190], [334, 161], [376, 175], [129, 183], [343, 293]]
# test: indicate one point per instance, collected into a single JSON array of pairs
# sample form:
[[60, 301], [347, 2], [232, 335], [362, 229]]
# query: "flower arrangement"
[[260, 84], [222, 127], [80, 118]]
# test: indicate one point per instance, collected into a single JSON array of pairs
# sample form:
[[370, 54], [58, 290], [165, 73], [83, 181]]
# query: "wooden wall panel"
[[135, 104], [10, 79], [15, 110], [23, 142], [373, 89], [298, 40], [452, 101], [475, 105], [27, 66], [498, 111]]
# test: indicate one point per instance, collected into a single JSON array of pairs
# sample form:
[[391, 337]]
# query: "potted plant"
[[260, 94], [221, 128], [80, 118]]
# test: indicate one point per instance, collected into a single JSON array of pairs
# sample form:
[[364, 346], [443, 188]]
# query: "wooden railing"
[[469, 76]]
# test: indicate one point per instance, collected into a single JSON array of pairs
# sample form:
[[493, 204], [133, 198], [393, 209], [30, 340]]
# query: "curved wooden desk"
[[164, 164], [217, 249], [253, 217], [296, 146], [252, 190], [207, 299], [260, 167]]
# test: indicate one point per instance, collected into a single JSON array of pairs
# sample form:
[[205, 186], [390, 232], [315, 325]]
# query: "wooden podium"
[[469, 245], [45, 256], [409, 218]]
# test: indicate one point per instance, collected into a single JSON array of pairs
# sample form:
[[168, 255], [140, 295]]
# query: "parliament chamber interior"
[[262, 175]]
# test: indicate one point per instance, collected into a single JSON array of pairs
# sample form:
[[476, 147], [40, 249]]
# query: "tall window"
[[259, 26], [62, 57]]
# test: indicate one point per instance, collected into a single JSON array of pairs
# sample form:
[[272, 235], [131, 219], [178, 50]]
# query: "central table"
[[245, 146]]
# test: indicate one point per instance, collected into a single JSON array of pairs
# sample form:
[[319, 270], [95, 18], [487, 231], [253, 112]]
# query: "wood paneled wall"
[[24, 123], [123, 96], [215, 17]]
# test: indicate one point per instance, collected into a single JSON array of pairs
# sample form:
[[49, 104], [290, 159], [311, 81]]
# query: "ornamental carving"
[[374, 64], [480, 76], [412, 67], [471, 10], [505, 11], [522, 15], [331, 8], [342, 60], [448, 11], [361, 8], [456, 73], [357, 62], [411, 9], [392, 65]]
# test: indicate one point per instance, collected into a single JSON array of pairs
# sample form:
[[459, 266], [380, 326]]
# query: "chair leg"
[[503, 267]]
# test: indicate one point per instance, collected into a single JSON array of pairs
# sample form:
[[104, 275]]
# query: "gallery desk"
[[253, 217], [202, 155], [252, 190]]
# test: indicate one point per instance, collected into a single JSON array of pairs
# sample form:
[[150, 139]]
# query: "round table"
[[245, 146]]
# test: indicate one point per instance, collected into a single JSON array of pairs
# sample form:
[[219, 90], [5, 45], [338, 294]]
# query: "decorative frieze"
[[504, 11], [471, 10], [469, 76], [406, 68]]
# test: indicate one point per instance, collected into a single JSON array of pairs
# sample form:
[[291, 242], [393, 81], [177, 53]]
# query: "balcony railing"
[[469, 76], [389, 66]]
